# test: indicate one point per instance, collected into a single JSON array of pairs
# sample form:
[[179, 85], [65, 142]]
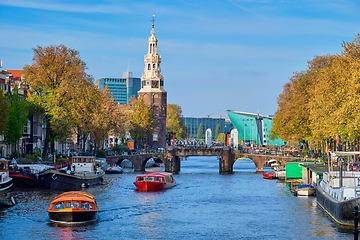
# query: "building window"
[[149, 66], [154, 66]]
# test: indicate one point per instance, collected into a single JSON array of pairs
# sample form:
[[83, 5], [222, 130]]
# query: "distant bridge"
[[171, 158]]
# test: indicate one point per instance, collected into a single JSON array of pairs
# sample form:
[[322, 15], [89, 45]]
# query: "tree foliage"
[[4, 110], [217, 131], [140, 118], [175, 122], [17, 118], [322, 102], [200, 132], [68, 96]]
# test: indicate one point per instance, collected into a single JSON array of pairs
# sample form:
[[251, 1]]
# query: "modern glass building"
[[193, 124], [122, 89], [253, 128]]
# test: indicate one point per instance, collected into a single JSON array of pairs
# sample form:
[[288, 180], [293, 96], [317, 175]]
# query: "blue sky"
[[216, 55]]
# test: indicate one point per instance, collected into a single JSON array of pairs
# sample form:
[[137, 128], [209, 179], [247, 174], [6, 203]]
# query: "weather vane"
[[153, 20]]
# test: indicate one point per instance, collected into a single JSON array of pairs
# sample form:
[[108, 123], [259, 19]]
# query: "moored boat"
[[6, 201], [26, 175], [114, 170], [155, 181], [305, 190], [80, 173], [339, 192], [73, 207], [269, 176], [6, 182]]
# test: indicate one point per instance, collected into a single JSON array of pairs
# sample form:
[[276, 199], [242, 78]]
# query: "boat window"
[[139, 179], [149, 179], [157, 179], [85, 205], [2, 166], [59, 205], [68, 204], [76, 204]]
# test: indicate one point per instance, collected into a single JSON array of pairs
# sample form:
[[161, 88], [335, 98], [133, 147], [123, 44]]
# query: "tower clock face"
[[154, 84]]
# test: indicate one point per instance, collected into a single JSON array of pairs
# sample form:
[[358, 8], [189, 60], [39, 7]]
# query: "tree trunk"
[[47, 137]]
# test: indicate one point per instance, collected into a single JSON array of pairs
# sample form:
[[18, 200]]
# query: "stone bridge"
[[171, 158]]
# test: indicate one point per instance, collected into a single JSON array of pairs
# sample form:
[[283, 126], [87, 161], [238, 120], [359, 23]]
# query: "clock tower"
[[153, 93]]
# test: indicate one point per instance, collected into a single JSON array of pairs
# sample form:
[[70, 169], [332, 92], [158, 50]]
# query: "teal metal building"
[[253, 128]]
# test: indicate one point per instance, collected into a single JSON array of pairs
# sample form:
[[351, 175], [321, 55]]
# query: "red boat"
[[154, 181], [269, 176]]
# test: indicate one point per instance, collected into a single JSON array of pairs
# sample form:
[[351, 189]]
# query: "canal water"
[[203, 205]]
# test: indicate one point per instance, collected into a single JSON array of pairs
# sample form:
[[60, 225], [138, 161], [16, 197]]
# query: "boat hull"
[[306, 192], [6, 185], [24, 180], [340, 211], [5, 201], [269, 176], [153, 186], [73, 216], [52, 179]]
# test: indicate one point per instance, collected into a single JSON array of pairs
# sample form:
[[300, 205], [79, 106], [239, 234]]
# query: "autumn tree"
[[200, 132], [17, 118], [141, 120], [4, 110], [53, 75], [291, 121], [175, 122], [221, 138]]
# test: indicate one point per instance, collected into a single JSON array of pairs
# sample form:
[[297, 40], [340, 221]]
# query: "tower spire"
[[153, 21]]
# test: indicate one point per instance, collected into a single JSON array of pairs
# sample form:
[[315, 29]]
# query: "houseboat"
[[6, 182], [155, 181], [339, 191], [81, 172], [26, 175], [73, 207]]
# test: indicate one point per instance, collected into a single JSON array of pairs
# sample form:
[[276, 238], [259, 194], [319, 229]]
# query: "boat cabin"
[[81, 163], [156, 177], [78, 201], [4, 170]]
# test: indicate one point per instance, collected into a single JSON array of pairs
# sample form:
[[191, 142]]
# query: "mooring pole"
[[356, 222]]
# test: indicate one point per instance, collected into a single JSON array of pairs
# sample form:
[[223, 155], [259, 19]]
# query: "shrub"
[[100, 154]]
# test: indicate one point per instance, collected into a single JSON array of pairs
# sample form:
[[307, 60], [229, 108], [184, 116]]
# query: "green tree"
[[175, 122], [4, 110], [217, 131], [17, 118], [200, 132]]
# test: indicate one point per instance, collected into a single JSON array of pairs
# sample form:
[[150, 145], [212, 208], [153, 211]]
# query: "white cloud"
[[60, 7]]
